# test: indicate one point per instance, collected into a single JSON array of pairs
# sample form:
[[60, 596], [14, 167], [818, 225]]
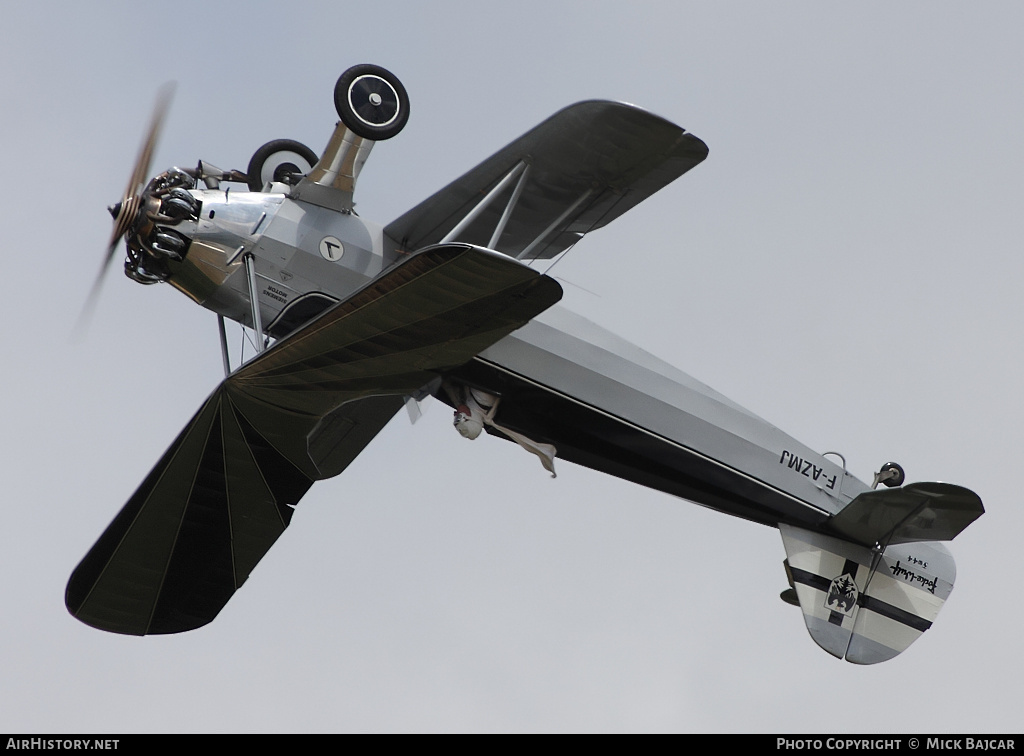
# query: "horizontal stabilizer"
[[915, 512], [864, 606]]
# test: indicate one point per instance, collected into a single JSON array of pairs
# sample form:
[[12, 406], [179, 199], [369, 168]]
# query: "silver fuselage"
[[285, 238], [647, 421]]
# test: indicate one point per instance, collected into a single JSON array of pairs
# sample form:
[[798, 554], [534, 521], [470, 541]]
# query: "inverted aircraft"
[[352, 320]]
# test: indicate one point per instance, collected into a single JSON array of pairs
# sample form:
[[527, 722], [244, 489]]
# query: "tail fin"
[[866, 603]]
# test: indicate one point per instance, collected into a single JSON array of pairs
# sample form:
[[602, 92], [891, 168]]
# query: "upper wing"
[[584, 167], [302, 411]]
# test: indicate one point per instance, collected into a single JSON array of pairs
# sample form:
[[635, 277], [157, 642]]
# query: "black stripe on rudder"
[[894, 613], [810, 579]]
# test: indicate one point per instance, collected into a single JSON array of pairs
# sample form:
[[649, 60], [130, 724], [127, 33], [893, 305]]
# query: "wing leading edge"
[[577, 171], [224, 491]]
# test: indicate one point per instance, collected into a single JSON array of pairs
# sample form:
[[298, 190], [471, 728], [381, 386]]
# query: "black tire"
[[372, 102], [897, 480], [283, 160]]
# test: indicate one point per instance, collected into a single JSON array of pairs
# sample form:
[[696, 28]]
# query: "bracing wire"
[[596, 221]]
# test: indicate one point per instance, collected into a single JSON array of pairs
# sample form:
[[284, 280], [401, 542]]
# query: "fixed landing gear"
[[372, 102], [283, 160], [891, 476]]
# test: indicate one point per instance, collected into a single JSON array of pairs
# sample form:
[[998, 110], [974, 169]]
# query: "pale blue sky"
[[845, 264]]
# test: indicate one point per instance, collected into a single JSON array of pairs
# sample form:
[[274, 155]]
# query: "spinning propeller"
[[127, 210], [372, 104]]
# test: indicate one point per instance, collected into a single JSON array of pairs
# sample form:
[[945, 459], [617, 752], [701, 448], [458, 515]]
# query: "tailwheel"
[[891, 476]]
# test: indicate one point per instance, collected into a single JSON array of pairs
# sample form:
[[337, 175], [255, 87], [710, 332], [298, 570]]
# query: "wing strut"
[[493, 243], [224, 345], [483, 204], [254, 302], [555, 224]]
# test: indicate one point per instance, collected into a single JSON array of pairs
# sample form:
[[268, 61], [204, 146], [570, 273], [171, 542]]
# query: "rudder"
[[863, 605]]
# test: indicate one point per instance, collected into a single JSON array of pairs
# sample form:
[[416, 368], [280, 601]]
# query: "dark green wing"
[[225, 490], [588, 164]]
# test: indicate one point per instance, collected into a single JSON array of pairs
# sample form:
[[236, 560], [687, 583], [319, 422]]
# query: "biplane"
[[353, 320]]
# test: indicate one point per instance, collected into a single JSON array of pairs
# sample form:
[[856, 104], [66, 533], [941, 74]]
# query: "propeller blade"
[[127, 209], [85, 316], [141, 172]]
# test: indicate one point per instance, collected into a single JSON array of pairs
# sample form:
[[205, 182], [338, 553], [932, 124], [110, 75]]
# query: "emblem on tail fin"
[[842, 595]]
